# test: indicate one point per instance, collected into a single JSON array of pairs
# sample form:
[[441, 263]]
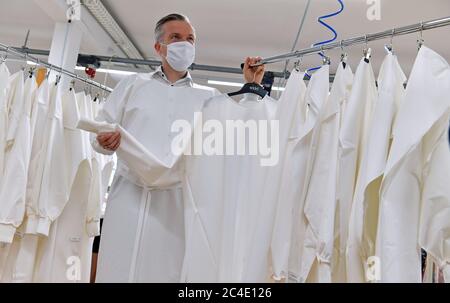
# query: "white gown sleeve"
[[137, 158], [113, 108]]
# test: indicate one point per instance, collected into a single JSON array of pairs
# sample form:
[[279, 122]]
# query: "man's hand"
[[109, 141], [253, 74]]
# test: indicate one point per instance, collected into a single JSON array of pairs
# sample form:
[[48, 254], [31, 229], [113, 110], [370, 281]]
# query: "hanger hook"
[[297, 64], [392, 37], [420, 41]]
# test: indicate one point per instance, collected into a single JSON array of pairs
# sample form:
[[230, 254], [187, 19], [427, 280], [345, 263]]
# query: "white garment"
[[320, 197], [341, 90], [414, 195], [352, 139], [13, 185], [55, 188], [222, 211], [283, 223], [4, 87], [143, 227], [38, 144], [69, 239], [299, 157], [364, 213]]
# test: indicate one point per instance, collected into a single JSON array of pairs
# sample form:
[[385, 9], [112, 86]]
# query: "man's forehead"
[[179, 27]]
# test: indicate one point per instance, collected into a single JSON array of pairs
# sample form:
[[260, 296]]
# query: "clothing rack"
[[414, 28], [26, 56]]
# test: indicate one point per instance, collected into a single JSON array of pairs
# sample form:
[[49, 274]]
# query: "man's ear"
[[157, 47]]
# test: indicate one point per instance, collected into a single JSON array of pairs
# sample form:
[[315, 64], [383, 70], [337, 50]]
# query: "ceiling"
[[227, 31]]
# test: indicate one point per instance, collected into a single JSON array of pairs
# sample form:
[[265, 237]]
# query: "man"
[[143, 229]]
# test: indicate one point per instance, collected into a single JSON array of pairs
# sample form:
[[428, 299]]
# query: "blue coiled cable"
[[320, 20]]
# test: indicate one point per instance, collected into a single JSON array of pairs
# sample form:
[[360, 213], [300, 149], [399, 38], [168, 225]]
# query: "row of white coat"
[[368, 181], [52, 184]]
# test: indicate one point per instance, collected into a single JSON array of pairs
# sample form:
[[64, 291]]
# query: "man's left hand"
[[253, 74]]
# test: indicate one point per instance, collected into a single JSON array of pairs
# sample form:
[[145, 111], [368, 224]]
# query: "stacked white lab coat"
[[22, 253], [414, 196], [320, 191], [352, 139], [16, 171], [143, 228], [364, 213], [68, 243]]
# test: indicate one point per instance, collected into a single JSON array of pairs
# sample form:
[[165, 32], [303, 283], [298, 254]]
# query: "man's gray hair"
[[171, 17]]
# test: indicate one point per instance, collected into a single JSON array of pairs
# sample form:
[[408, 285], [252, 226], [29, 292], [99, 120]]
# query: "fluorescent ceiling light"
[[237, 84], [109, 71]]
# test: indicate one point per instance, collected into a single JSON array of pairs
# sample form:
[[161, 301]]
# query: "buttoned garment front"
[[143, 231]]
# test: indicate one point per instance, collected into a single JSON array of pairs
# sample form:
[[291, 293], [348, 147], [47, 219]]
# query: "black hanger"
[[252, 88]]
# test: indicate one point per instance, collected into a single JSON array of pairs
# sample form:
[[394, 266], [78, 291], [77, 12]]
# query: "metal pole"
[[414, 28], [25, 55], [195, 66]]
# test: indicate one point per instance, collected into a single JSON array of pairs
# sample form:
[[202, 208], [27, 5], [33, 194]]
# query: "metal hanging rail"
[[58, 69], [414, 28]]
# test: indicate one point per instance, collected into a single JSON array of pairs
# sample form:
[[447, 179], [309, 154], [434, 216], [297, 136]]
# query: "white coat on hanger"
[[4, 87], [296, 176], [414, 195], [13, 185], [352, 139], [364, 214], [283, 222], [38, 150], [54, 191], [223, 210], [320, 198]]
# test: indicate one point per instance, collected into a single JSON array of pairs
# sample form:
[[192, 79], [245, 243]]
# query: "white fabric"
[[352, 138], [340, 91], [299, 155], [38, 151], [415, 195], [364, 213], [320, 191], [283, 223], [221, 216], [13, 185], [143, 228], [4, 87], [54, 189]]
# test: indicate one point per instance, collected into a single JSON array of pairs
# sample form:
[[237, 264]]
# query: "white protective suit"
[[352, 139], [414, 196], [364, 213], [224, 195], [320, 195], [295, 179], [143, 231], [4, 88]]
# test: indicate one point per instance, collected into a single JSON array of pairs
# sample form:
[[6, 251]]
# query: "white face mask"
[[180, 55]]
